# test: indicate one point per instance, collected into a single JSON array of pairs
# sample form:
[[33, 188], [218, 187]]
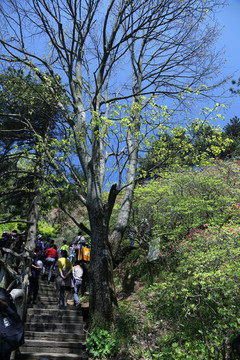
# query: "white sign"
[[153, 252]]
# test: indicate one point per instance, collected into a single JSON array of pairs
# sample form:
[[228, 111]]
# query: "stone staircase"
[[52, 333]]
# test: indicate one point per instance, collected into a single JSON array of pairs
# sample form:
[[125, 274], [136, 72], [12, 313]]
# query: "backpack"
[[85, 254], [11, 328]]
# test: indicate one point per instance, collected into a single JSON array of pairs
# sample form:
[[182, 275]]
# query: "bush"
[[46, 229], [200, 299], [100, 343], [186, 200]]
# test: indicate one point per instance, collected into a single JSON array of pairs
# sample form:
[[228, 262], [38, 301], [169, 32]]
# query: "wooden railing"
[[15, 270]]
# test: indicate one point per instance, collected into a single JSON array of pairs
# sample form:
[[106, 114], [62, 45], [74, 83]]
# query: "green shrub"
[[100, 343], [125, 324], [199, 300], [46, 229]]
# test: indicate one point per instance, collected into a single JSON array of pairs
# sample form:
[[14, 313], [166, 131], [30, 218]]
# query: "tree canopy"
[[29, 113], [196, 144]]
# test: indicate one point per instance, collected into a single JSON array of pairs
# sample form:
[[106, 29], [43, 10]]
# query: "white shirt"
[[77, 272]]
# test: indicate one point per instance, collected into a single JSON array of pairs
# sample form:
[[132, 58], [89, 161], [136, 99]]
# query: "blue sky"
[[229, 19]]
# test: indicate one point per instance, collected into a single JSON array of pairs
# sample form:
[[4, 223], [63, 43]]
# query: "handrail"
[[14, 276]]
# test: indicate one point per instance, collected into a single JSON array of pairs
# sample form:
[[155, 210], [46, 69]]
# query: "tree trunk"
[[122, 221], [124, 213], [102, 301], [33, 216]]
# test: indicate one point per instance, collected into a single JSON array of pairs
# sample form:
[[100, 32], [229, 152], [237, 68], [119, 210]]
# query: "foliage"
[[30, 140], [184, 200], [100, 343], [233, 89], [125, 325], [46, 229], [12, 226], [28, 107], [29, 112], [232, 131], [15, 190], [192, 306], [200, 298], [195, 144]]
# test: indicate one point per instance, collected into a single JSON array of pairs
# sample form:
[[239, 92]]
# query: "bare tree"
[[111, 53]]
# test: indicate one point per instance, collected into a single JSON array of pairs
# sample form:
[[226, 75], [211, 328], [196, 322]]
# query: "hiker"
[[17, 242], [6, 239], [65, 246], [77, 279], [132, 233], [50, 258], [79, 237], [64, 277], [15, 235], [78, 243], [22, 245], [47, 244], [40, 244], [14, 239], [71, 252], [11, 326], [143, 227], [35, 271]]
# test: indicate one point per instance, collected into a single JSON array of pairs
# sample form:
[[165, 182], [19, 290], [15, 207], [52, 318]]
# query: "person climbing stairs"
[[52, 333]]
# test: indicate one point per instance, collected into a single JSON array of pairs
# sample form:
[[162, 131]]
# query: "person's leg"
[[75, 294], [35, 288], [53, 261], [30, 290], [77, 286], [75, 298], [44, 268], [61, 296]]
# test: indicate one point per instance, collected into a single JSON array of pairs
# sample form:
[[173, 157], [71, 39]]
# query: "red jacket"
[[51, 252]]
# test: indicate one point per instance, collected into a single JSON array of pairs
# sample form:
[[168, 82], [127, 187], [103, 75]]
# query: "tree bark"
[[102, 302], [33, 217]]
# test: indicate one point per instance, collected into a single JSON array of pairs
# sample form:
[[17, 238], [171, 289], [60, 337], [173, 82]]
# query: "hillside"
[[183, 306]]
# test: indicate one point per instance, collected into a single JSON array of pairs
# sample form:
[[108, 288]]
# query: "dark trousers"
[[33, 286]]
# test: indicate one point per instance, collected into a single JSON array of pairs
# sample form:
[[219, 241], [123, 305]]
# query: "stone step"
[[47, 299], [52, 356], [52, 333], [43, 298], [43, 284], [50, 318], [37, 335], [64, 347], [59, 327], [40, 307], [43, 279], [48, 292], [56, 312]]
